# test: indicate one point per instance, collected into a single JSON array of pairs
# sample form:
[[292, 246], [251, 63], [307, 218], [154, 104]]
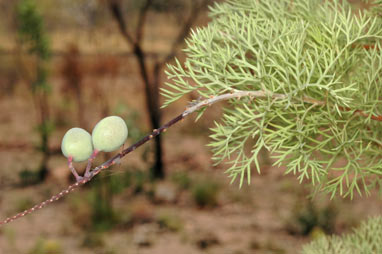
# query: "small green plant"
[[93, 240], [182, 179], [34, 44], [103, 214], [366, 239], [137, 179], [308, 217], [46, 247], [23, 203], [205, 193], [170, 221]]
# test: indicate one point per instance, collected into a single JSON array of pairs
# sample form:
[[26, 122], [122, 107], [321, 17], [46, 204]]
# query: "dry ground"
[[255, 219]]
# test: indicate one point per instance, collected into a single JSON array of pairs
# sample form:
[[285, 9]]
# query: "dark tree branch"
[[185, 30], [152, 79], [115, 8], [151, 88], [152, 104], [141, 21]]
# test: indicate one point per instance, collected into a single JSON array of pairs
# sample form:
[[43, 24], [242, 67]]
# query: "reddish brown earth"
[[260, 218]]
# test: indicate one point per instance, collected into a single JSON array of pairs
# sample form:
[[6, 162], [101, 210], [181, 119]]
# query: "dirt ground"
[[267, 217], [255, 219]]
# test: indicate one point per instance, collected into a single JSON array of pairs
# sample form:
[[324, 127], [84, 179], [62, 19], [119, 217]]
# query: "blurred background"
[[69, 63]]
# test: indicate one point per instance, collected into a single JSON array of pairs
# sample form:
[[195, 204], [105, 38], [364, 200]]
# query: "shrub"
[[367, 238], [303, 78], [205, 193]]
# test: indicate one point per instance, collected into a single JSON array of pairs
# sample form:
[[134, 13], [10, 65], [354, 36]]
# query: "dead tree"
[[151, 76]]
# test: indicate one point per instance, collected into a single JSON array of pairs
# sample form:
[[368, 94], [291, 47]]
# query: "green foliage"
[[93, 240], [375, 6], [32, 36], [23, 203], [308, 218], [364, 240], [170, 221], [137, 179], [168, 6], [205, 193], [104, 216], [81, 210], [182, 179], [298, 52], [31, 30], [46, 247], [29, 177], [33, 39], [119, 182], [45, 129]]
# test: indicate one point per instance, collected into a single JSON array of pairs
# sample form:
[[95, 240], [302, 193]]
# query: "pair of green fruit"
[[108, 135]]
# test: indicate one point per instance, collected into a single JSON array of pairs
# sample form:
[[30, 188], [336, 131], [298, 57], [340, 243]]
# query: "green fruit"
[[109, 134], [77, 143]]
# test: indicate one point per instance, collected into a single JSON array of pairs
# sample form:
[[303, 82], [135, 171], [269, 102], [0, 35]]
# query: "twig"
[[117, 14], [149, 81], [196, 8], [142, 20], [189, 110]]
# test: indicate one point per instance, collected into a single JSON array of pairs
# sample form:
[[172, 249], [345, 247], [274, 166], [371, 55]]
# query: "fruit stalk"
[[234, 94]]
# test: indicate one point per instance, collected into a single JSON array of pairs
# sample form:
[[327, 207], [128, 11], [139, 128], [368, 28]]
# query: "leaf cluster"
[[31, 29], [32, 36], [300, 49], [365, 239], [375, 7]]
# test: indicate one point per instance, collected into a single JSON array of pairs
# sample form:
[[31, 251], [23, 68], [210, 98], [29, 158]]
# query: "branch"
[[189, 110], [142, 20], [115, 9], [184, 31]]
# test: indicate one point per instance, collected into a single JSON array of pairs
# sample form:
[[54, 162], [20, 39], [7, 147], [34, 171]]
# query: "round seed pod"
[[77, 143], [109, 134]]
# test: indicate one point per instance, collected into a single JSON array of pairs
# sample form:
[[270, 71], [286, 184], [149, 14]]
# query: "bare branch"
[[184, 31], [141, 21], [151, 88], [115, 8], [189, 110], [46, 202]]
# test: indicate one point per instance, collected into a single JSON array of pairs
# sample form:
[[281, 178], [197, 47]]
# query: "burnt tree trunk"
[[152, 104], [152, 80]]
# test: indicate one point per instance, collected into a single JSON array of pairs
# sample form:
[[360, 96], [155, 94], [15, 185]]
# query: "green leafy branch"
[[298, 49]]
